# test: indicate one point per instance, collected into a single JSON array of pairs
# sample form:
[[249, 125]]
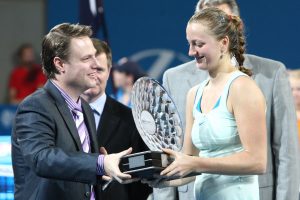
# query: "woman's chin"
[[201, 66]]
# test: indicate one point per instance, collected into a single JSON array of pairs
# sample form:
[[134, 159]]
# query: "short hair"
[[213, 3], [102, 47], [57, 44]]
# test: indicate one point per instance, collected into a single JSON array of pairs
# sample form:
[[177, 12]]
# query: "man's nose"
[[96, 63]]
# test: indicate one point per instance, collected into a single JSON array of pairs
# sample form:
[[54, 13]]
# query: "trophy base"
[[145, 165]]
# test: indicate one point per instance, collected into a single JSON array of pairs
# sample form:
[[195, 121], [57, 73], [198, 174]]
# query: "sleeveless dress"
[[215, 134]]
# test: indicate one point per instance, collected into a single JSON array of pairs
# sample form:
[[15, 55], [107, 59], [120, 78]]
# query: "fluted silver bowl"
[[156, 116]]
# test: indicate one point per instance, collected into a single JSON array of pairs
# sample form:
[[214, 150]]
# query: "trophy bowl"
[[158, 122]]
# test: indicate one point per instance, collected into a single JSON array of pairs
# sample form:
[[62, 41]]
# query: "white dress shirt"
[[97, 107]]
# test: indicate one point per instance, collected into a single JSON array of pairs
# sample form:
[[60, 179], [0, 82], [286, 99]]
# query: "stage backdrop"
[[153, 32]]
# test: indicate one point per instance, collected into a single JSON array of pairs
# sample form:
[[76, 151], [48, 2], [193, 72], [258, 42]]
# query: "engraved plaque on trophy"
[[159, 125]]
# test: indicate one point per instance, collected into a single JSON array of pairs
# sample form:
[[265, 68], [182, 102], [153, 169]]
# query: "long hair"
[[221, 25]]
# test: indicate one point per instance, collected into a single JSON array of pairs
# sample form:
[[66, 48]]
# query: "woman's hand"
[[181, 166]]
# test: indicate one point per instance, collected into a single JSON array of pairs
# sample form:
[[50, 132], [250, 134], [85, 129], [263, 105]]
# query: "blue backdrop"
[[153, 32]]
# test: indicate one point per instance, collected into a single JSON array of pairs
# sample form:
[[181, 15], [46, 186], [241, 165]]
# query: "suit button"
[[87, 194]]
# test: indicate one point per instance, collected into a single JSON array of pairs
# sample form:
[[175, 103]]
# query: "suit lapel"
[[108, 122], [64, 112]]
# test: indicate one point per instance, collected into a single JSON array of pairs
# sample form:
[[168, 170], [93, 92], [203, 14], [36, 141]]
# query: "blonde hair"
[[220, 25]]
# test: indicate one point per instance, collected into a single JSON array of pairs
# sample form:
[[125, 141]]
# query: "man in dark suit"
[[54, 146], [115, 126]]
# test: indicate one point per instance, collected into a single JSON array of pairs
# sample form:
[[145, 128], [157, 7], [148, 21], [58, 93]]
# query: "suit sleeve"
[[35, 136], [285, 139]]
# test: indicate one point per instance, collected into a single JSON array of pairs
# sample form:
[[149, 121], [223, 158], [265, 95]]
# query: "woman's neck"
[[221, 73]]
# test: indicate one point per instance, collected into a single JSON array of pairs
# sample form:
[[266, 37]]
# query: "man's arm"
[[35, 134], [285, 139]]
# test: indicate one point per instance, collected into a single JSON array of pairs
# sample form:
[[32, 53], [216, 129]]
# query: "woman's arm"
[[247, 103], [188, 147]]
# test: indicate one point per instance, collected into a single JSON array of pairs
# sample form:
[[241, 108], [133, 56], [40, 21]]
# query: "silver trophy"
[[159, 125]]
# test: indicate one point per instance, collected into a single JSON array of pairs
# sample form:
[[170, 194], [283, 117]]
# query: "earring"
[[233, 60], [222, 54]]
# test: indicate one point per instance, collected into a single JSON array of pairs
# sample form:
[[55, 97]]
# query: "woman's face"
[[27, 56], [203, 46], [118, 79]]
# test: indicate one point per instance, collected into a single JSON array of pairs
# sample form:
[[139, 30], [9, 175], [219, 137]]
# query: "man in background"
[[116, 129]]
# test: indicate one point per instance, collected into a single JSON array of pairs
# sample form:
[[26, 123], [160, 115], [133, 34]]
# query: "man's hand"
[[111, 166]]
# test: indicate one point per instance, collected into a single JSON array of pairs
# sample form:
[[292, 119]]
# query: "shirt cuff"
[[100, 165]]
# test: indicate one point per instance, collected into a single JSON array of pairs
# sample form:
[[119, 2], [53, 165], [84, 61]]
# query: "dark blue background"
[[272, 26]]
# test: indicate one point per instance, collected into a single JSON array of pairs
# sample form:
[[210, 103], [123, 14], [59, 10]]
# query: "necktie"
[[84, 136], [82, 130], [97, 117]]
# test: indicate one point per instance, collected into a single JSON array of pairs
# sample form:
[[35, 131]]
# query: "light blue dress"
[[215, 134]]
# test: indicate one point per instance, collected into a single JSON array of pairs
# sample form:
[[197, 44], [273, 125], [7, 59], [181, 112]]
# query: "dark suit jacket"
[[48, 160], [117, 132]]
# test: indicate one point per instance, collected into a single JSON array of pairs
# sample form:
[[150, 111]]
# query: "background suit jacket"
[[281, 180], [117, 132], [48, 160]]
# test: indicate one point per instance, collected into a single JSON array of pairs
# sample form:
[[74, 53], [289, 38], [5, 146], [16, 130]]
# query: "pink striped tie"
[[82, 130], [84, 137]]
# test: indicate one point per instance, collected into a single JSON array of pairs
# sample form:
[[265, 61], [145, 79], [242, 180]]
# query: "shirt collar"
[[98, 105], [72, 105]]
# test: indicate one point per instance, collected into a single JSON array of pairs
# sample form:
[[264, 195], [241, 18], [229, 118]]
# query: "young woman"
[[225, 137]]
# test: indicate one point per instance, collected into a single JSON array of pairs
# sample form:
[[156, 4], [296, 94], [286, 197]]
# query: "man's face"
[[102, 76], [295, 85], [81, 66]]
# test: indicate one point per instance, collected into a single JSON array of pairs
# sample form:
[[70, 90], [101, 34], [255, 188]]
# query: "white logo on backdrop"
[[164, 59]]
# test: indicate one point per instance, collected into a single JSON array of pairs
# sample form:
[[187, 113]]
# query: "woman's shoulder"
[[243, 82], [244, 87]]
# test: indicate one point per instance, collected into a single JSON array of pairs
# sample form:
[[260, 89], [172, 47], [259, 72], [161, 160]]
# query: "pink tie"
[[82, 131], [83, 135]]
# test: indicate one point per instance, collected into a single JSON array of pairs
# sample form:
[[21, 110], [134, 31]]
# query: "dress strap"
[[198, 95], [226, 89]]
